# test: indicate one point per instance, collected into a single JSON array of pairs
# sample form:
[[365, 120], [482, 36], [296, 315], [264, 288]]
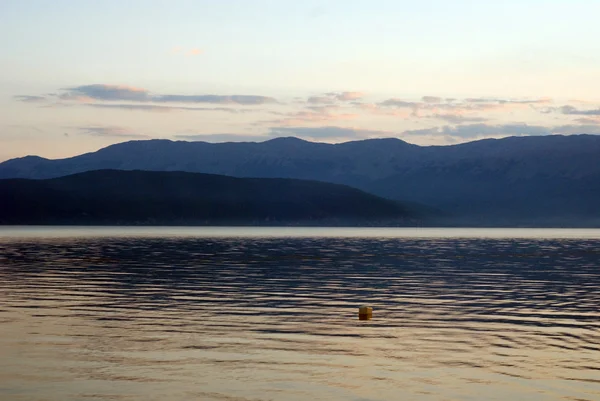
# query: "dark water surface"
[[270, 314]]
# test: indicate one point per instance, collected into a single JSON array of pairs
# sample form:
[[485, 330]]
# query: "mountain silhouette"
[[179, 198], [544, 180]]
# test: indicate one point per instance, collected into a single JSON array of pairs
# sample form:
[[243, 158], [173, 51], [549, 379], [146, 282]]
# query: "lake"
[[248, 314]]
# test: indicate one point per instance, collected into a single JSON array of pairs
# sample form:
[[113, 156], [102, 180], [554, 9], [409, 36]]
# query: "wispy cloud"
[[326, 132], [311, 115], [134, 98], [110, 131], [335, 97], [345, 96], [218, 99], [109, 93], [106, 93], [30, 99], [472, 131], [320, 100], [449, 109], [509, 101], [588, 120], [469, 104], [458, 119], [165, 109], [574, 129], [571, 110], [432, 99], [223, 137], [137, 107], [395, 102]]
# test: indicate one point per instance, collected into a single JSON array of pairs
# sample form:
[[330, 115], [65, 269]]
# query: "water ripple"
[[259, 318]]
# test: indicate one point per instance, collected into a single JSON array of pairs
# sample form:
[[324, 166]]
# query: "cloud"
[[110, 131], [326, 132], [30, 99], [218, 99], [577, 129], [223, 137], [431, 99], [164, 109], [479, 100], [480, 130], [588, 120], [509, 101], [139, 107], [394, 102], [346, 96], [376, 109], [195, 52], [458, 119], [433, 102], [333, 97], [545, 100], [108, 93], [472, 131], [449, 109], [320, 100], [312, 115], [570, 110]]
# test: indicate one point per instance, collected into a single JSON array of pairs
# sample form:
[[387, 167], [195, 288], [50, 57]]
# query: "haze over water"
[[270, 314]]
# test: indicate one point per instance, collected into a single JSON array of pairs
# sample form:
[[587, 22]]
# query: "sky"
[[76, 76]]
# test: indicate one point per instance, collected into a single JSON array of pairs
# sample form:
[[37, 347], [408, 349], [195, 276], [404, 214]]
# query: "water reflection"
[[275, 318]]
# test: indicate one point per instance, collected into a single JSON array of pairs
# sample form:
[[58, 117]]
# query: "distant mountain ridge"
[[545, 180], [179, 198]]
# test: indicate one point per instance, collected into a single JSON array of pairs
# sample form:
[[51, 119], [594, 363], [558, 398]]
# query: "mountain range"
[[544, 180], [119, 197]]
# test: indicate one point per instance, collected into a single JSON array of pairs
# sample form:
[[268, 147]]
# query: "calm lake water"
[[242, 314]]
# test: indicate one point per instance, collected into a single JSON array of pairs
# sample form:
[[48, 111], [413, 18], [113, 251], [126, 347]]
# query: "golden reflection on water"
[[258, 318]]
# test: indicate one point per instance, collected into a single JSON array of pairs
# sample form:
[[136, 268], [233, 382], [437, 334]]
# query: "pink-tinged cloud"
[[195, 52], [30, 99], [588, 120], [432, 99], [333, 97], [110, 131], [472, 131], [347, 96], [97, 93], [458, 118], [315, 114], [106, 92], [320, 100], [165, 109], [451, 110]]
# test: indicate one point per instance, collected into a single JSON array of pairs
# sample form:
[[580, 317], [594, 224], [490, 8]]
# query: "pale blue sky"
[[527, 58]]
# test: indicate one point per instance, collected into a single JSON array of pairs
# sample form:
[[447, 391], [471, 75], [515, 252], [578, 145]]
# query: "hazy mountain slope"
[[516, 180], [142, 197]]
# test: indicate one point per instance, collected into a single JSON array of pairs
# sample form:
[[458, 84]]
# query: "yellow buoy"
[[365, 312]]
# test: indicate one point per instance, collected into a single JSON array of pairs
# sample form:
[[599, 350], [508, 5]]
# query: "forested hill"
[[179, 198]]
